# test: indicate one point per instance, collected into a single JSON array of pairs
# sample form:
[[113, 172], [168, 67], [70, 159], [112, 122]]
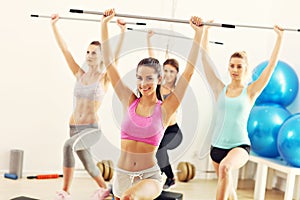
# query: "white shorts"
[[123, 179]]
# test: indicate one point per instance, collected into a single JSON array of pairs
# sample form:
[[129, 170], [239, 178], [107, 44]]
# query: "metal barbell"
[[169, 35], [83, 19], [179, 20]]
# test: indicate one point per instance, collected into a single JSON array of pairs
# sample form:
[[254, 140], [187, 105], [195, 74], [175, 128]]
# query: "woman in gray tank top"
[[91, 86]]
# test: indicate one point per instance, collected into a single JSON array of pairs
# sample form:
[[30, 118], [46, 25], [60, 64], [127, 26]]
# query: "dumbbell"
[[186, 171], [106, 167]]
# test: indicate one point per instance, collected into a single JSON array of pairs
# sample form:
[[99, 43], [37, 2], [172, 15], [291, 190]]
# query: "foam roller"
[[11, 176]]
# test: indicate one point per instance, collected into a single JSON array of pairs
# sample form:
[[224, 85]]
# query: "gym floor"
[[82, 189]]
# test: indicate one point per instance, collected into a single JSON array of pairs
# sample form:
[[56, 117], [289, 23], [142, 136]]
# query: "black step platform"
[[23, 198], [166, 195]]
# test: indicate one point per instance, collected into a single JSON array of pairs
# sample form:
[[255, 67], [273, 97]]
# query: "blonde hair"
[[243, 55], [240, 54]]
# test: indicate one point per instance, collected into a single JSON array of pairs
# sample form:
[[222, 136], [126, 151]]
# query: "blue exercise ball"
[[289, 140], [282, 87], [263, 126]]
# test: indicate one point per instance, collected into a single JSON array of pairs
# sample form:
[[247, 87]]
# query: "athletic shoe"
[[62, 195], [169, 182], [100, 194]]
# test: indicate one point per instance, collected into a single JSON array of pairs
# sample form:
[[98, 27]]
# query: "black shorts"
[[218, 154]]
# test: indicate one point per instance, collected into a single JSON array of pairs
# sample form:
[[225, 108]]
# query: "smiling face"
[[170, 73], [147, 80], [93, 55]]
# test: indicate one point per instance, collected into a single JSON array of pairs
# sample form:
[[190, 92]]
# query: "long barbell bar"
[[178, 20], [169, 35], [82, 19], [159, 33]]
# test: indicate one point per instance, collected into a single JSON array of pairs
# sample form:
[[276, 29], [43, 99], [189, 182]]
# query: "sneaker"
[[100, 194], [62, 195], [169, 182]]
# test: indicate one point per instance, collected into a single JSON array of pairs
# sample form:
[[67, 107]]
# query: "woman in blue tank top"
[[230, 145], [91, 86]]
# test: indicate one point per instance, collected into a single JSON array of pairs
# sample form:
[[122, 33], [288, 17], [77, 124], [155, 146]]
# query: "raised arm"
[[125, 95], [122, 25], [150, 49], [75, 68], [172, 102], [211, 76], [151, 54], [255, 88]]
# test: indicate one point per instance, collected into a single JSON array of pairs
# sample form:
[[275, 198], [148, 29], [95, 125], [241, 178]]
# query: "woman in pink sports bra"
[[137, 175], [90, 88]]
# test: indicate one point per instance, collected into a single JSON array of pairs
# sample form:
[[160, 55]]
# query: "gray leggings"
[[82, 137]]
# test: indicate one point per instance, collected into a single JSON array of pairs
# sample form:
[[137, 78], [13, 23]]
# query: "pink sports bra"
[[149, 130]]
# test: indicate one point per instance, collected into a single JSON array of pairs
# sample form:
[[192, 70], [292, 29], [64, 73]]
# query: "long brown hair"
[[154, 64], [97, 43], [173, 62]]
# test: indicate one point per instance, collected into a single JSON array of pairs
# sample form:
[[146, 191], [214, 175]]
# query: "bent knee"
[[68, 147], [224, 169], [127, 196]]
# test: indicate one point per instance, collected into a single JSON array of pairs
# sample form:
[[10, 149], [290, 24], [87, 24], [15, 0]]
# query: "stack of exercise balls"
[[272, 129]]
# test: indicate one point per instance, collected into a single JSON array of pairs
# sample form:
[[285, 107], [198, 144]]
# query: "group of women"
[[149, 127]]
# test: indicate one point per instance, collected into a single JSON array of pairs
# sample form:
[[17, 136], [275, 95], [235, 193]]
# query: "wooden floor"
[[82, 189]]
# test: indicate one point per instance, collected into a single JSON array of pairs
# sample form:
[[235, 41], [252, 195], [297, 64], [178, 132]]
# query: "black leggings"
[[218, 154], [172, 138]]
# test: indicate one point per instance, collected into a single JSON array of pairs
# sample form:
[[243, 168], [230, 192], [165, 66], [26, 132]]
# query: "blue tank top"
[[231, 115]]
